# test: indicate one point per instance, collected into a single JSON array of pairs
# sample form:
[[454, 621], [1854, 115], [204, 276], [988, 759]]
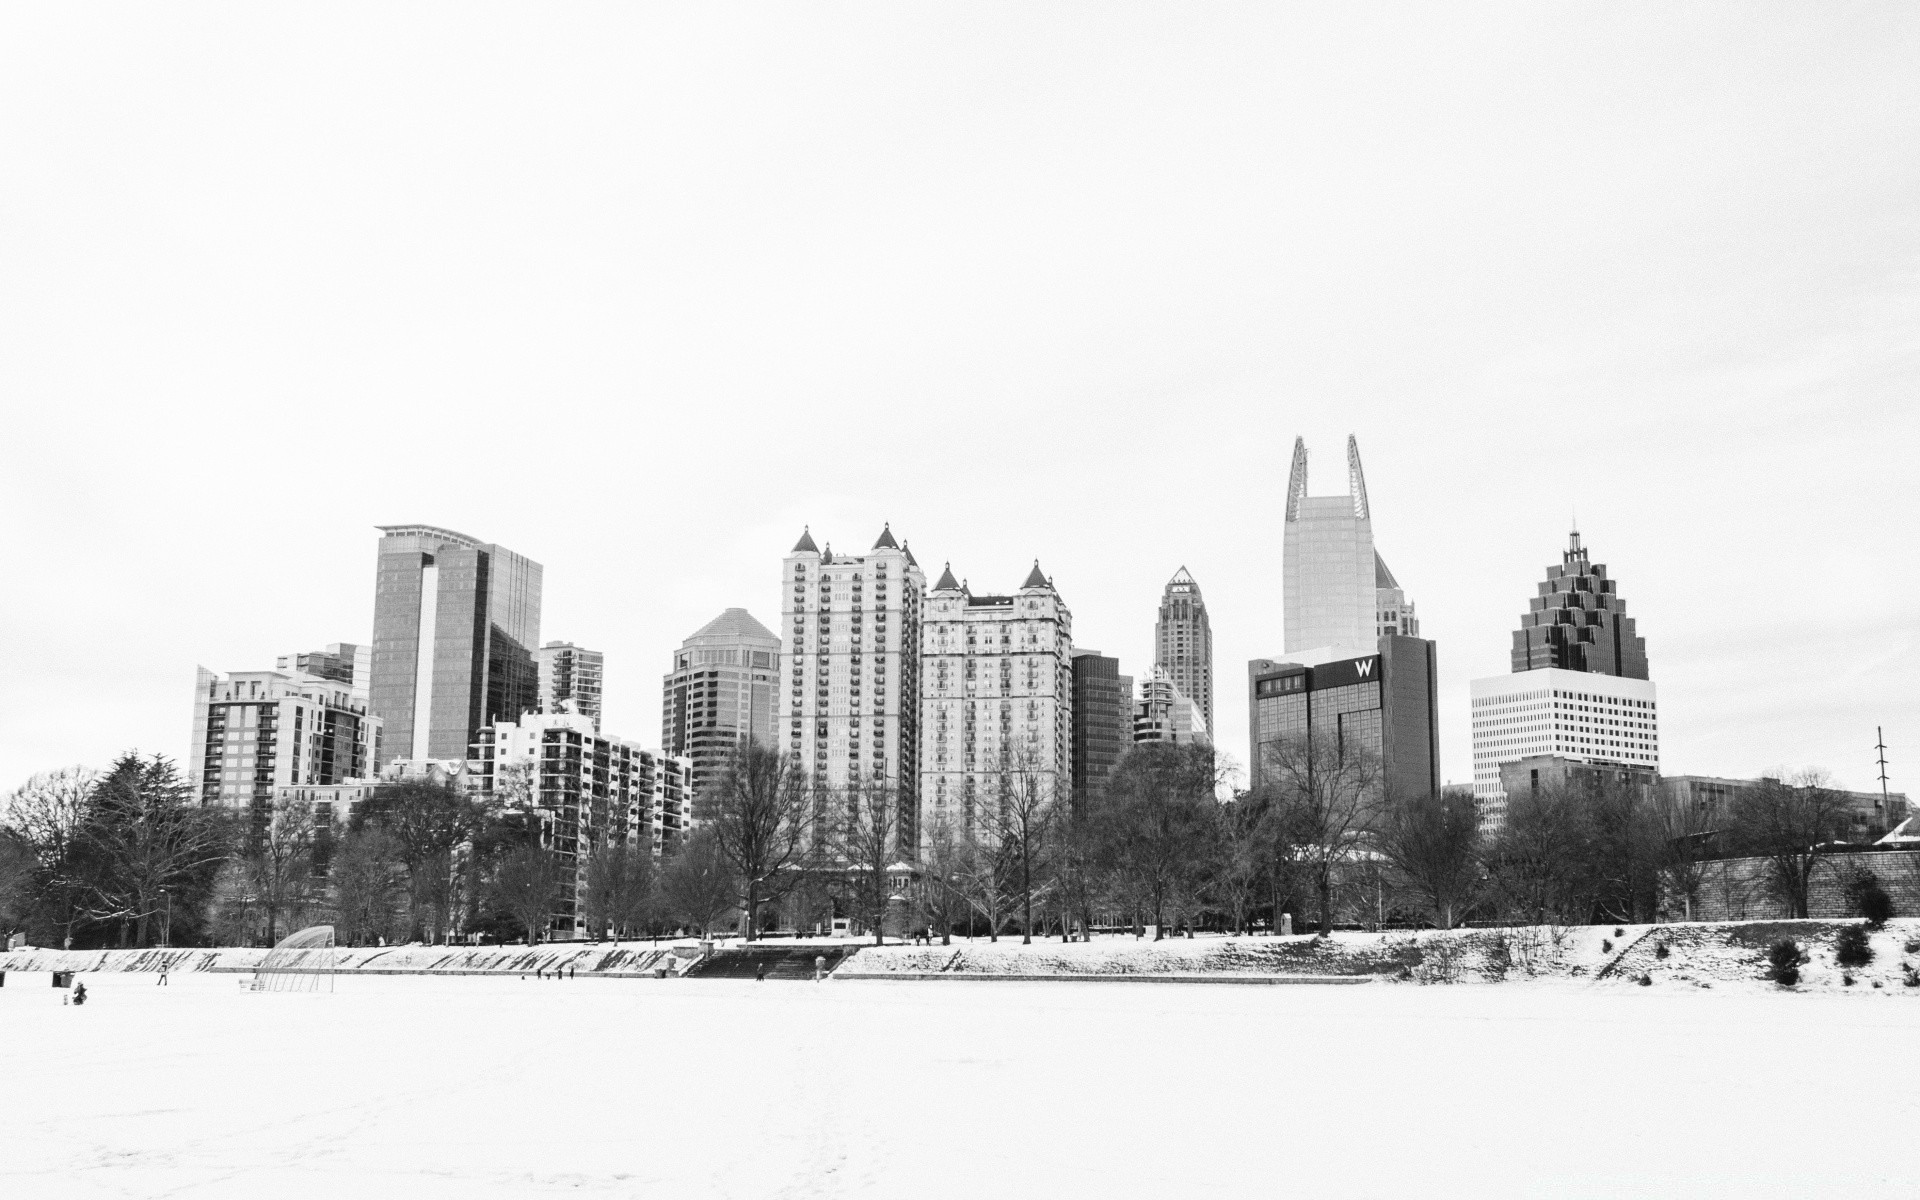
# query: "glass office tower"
[[455, 623], [1328, 565]]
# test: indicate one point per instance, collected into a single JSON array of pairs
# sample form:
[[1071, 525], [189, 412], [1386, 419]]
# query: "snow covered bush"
[[1868, 898], [1783, 962], [1851, 948]]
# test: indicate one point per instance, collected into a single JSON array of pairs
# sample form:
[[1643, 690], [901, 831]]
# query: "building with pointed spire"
[[996, 702], [1183, 643], [1579, 689], [1336, 589], [721, 693], [850, 639]]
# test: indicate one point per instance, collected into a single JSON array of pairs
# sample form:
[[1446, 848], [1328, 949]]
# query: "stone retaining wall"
[[1739, 889]]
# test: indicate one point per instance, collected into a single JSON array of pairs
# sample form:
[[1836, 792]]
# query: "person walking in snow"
[[79, 993], [163, 976]]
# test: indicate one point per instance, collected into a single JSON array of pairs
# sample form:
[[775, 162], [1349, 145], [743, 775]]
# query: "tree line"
[[124, 857]]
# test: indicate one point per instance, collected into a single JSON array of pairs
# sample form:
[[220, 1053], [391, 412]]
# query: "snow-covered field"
[[414, 1086]]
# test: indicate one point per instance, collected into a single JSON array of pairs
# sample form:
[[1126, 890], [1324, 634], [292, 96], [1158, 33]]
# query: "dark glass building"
[[1384, 703], [455, 623], [1578, 622], [1102, 723]]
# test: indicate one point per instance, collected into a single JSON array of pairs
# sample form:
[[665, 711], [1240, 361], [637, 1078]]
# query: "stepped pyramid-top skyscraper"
[[1579, 690], [1578, 622], [1336, 588]]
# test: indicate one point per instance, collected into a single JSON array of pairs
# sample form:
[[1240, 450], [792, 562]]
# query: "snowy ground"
[[482, 1087]]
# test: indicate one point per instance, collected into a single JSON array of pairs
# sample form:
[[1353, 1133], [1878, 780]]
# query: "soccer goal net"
[[302, 962]]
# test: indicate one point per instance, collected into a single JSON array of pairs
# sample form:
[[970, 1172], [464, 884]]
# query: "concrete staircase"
[[781, 962]]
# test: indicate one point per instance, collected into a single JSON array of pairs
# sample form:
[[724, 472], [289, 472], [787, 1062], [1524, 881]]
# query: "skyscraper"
[[1183, 642], [1383, 703], [996, 699], [721, 692], [570, 679], [1578, 690], [1578, 622], [1102, 723], [1164, 713], [1335, 586], [455, 621], [851, 640]]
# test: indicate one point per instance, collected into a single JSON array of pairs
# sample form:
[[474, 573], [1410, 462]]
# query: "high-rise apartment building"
[[570, 679], [1336, 588], [1164, 713], [586, 790], [341, 662], [1183, 642], [1385, 704], [455, 623], [1102, 723], [850, 629], [721, 692], [1579, 687], [258, 732], [996, 700]]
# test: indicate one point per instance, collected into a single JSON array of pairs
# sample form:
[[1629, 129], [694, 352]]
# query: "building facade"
[[1163, 713], [455, 623], [1579, 686], [256, 733], [1578, 622], [996, 701], [1385, 704], [721, 693], [586, 790], [1102, 723], [850, 638], [1336, 588], [340, 662], [1870, 815], [571, 679], [1183, 642]]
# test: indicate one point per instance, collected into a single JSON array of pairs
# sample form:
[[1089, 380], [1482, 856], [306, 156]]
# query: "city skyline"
[[1703, 255]]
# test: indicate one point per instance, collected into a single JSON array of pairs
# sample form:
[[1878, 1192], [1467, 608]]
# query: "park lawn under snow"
[[417, 1086]]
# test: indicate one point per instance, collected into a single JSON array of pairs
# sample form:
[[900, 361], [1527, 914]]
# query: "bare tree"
[[1020, 808], [49, 812], [1687, 834], [763, 822], [429, 822], [276, 856], [1154, 826], [1073, 869], [1239, 863], [19, 875], [1785, 820], [1536, 863], [988, 880], [526, 883], [1325, 795], [941, 891], [697, 885], [619, 888], [1432, 840], [865, 830], [365, 877]]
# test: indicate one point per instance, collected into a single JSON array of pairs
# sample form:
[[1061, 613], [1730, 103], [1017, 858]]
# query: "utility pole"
[[1886, 807]]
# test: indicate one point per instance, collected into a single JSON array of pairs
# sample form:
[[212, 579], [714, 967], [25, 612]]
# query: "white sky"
[[641, 292]]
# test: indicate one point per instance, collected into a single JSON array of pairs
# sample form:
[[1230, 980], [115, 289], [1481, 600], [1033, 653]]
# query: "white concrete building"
[[257, 732], [1164, 713], [850, 639], [996, 700], [1581, 715]]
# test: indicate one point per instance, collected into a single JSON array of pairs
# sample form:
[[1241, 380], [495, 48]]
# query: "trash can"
[[63, 979]]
